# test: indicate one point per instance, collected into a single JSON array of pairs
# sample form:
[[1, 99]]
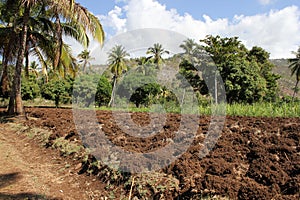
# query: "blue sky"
[[271, 24], [213, 8]]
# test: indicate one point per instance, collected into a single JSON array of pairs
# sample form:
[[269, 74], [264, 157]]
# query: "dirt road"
[[29, 171]]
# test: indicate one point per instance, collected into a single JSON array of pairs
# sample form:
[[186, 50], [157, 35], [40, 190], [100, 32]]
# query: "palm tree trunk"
[[295, 90], [112, 98], [4, 79], [58, 38], [84, 66], [27, 62], [15, 101]]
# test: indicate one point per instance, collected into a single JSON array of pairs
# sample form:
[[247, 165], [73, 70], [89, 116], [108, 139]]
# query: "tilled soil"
[[255, 158]]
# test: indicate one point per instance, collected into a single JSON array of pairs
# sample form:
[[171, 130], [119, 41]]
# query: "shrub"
[[29, 89], [103, 93], [58, 91]]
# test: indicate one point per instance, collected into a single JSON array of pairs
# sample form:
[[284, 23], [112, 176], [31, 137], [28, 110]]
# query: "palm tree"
[[156, 53], [116, 62], [193, 51], [33, 68], [188, 46], [85, 59], [8, 40], [295, 69], [144, 66], [66, 9]]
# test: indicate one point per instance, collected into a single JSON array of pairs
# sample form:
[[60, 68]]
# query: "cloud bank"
[[276, 31]]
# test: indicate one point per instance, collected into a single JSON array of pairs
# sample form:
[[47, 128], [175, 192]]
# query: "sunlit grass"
[[262, 109]]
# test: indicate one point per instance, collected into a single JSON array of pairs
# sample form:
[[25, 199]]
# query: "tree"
[[84, 89], [156, 52], [295, 69], [247, 75], [190, 47], [66, 9], [30, 88], [262, 58], [103, 93], [146, 94], [85, 59], [116, 62], [8, 41], [58, 90]]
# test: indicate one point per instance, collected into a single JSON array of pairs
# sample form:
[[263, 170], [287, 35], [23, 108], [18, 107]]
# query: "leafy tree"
[[116, 62], [85, 88], [262, 58], [146, 94], [30, 88], [191, 74], [156, 52], [295, 69], [58, 90], [103, 93], [246, 74]]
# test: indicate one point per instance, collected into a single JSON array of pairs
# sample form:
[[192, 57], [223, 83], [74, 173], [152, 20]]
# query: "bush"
[[146, 94], [103, 93], [85, 88], [29, 89], [58, 90]]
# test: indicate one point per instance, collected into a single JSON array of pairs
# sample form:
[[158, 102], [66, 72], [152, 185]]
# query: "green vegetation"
[[30, 28], [58, 90], [36, 28], [117, 65]]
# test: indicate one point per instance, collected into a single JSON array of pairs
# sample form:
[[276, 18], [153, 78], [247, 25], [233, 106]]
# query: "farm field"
[[255, 158]]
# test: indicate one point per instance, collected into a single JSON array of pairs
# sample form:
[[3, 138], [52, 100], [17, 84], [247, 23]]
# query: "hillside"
[[286, 82]]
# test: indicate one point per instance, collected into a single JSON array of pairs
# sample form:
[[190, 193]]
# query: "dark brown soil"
[[255, 158]]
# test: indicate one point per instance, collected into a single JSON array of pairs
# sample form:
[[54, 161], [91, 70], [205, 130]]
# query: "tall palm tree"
[[116, 62], [295, 69], [188, 46], [156, 52], [8, 40], [85, 59], [33, 68], [65, 9]]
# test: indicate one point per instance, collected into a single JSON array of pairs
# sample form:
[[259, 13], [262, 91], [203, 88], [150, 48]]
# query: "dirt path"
[[29, 171]]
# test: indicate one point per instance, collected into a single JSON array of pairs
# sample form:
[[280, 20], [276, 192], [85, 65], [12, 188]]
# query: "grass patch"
[[67, 147], [262, 109]]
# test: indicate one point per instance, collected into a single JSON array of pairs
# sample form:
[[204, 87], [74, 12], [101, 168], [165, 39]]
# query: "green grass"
[[263, 109]]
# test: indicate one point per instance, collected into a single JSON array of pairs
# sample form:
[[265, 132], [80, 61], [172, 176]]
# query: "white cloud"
[[276, 31], [113, 19]]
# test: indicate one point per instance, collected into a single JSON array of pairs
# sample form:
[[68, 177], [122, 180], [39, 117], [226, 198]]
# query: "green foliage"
[[67, 147], [146, 95], [58, 90], [134, 79], [84, 89], [191, 74], [103, 93], [246, 74], [29, 88]]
